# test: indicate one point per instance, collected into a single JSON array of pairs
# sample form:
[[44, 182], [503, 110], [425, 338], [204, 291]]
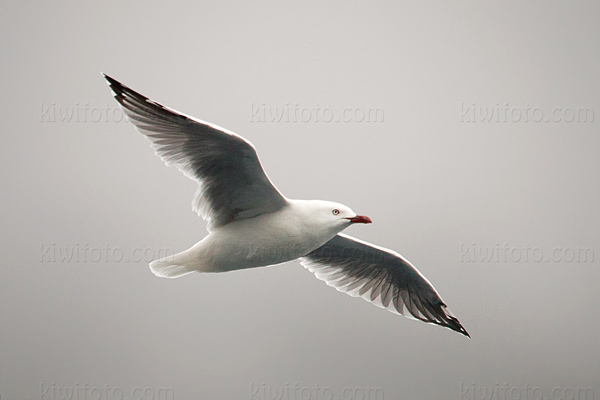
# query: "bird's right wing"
[[380, 276], [232, 183]]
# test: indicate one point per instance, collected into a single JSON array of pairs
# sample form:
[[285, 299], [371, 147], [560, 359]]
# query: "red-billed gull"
[[251, 224]]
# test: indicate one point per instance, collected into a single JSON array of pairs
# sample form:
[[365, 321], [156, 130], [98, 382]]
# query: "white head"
[[335, 215]]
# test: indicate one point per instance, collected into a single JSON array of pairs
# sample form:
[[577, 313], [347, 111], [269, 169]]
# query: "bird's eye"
[[335, 211]]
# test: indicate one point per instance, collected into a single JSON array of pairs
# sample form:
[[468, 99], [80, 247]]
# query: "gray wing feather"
[[232, 182], [380, 276]]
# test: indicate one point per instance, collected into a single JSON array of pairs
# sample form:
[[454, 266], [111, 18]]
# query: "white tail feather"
[[175, 266]]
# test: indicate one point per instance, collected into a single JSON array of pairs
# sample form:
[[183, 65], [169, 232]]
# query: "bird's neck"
[[305, 217]]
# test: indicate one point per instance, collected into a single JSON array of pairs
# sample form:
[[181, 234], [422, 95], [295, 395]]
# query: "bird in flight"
[[251, 224]]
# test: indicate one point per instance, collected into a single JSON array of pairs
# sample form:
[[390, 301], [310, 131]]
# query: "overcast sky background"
[[439, 189]]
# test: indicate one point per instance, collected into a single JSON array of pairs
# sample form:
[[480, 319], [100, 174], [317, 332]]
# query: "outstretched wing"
[[232, 183], [380, 276]]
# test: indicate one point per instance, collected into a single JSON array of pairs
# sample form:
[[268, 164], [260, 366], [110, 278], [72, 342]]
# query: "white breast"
[[267, 239]]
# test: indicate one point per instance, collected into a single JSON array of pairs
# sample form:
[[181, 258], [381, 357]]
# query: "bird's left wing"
[[380, 276], [232, 183]]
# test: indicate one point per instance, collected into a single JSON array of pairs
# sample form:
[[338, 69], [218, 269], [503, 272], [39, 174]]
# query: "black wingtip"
[[116, 86], [457, 327], [121, 91], [108, 78], [453, 324], [448, 320]]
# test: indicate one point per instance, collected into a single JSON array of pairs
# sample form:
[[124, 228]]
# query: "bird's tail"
[[174, 266]]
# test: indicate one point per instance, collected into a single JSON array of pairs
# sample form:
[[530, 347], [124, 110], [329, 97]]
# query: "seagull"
[[251, 224]]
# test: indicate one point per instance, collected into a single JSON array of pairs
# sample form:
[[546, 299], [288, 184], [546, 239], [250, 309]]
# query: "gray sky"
[[468, 132]]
